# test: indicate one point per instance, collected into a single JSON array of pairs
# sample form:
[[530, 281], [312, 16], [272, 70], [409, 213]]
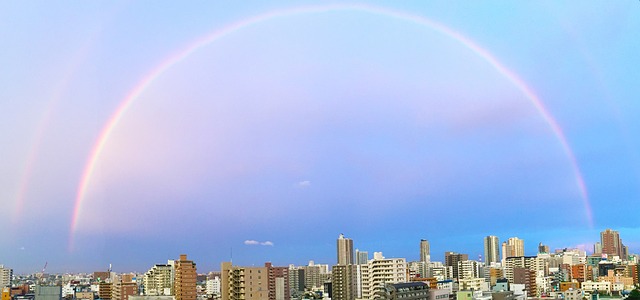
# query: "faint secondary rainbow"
[[147, 80], [58, 94]]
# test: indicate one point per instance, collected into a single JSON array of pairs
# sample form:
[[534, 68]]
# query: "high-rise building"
[[213, 286], [345, 250], [543, 248], [104, 290], [597, 248], [278, 282], [533, 263], [184, 284], [158, 281], [425, 251], [468, 269], [362, 257], [244, 283], [611, 243], [258, 283], [527, 277], [343, 282], [5, 276], [315, 275], [381, 271], [296, 280], [122, 290], [513, 248], [491, 250], [418, 269], [451, 259]]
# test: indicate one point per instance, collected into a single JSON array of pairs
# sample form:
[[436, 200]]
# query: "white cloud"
[[304, 184], [254, 242]]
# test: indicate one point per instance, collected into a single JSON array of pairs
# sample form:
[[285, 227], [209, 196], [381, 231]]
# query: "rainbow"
[[149, 79], [32, 156]]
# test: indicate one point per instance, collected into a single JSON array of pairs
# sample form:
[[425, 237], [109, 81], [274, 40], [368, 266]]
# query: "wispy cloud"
[[304, 184], [254, 242]]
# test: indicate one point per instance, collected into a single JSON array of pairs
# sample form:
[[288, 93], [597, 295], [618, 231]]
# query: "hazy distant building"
[[184, 284], [425, 251], [362, 257], [491, 250], [101, 276], [315, 275], [543, 248], [597, 248], [611, 243], [344, 250], [158, 280], [213, 286]]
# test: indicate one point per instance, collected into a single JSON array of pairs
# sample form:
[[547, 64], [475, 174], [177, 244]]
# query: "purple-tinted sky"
[[297, 126]]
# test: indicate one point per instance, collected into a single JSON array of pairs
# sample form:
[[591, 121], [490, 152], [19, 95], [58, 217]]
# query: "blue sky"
[[347, 118]]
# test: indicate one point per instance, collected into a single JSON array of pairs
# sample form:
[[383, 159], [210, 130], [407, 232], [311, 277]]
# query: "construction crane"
[[41, 274]]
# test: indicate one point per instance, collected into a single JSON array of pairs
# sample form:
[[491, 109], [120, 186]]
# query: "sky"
[[133, 132]]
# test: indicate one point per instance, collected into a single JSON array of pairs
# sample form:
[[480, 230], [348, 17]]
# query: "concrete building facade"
[[491, 250], [343, 282], [381, 271], [344, 250], [425, 251], [158, 281]]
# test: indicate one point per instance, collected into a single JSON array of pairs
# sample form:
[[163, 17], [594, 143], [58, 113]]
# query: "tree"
[[634, 295]]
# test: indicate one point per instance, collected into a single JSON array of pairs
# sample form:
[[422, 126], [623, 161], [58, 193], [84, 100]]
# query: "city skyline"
[[229, 131], [342, 250]]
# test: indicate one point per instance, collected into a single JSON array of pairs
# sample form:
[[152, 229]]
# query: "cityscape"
[[504, 273], [326, 150]]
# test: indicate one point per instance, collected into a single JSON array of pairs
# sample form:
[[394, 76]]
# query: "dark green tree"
[[634, 295]]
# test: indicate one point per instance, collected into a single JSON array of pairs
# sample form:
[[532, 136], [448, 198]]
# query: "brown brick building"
[[184, 283]]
